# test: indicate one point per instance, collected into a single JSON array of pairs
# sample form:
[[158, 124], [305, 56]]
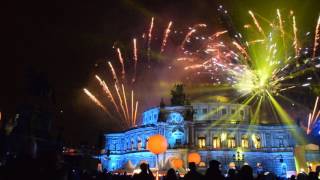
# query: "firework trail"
[[313, 117], [295, 41], [125, 102], [123, 72], [316, 118], [121, 104], [150, 38], [135, 112], [95, 100], [316, 38], [196, 66], [132, 108], [189, 34], [187, 38], [257, 23], [135, 59], [315, 108], [108, 93], [218, 34], [309, 123], [256, 41], [280, 23], [282, 32], [241, 49], [185, 59], [165, 36], [114, 74]]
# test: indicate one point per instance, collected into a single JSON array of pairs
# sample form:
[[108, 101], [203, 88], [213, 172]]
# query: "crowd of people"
[[214, 173], [49, 169]]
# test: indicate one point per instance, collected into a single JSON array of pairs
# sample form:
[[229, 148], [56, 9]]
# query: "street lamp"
[[238, 157]]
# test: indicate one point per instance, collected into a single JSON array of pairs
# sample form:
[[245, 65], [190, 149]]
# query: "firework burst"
[[261, 66]]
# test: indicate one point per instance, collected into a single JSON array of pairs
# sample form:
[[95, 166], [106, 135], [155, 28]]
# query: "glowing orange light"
[[177, 163], [157, 144], [194, 157]]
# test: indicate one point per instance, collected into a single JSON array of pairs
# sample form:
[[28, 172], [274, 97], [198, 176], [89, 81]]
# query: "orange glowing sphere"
[[194, 157], [177, 163], [157, 144]]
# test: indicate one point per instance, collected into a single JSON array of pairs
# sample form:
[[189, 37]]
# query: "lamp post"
[[238, 157], [157, 144]]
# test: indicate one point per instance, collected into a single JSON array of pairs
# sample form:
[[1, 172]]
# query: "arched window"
[[245, 141], [202, 142], [231, 141], [132, 144], [146, 143], [216, 142], [139, 145], [256, 141]]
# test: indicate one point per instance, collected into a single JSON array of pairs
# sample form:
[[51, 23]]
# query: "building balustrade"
[[210, 148]]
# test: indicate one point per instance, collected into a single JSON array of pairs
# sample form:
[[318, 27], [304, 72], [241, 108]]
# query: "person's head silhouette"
[[171, 174], [192, 166], [144, 167], [214, 164]]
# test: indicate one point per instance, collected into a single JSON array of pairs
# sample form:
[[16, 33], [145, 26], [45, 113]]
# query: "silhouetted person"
[[312, 176], [213, 172], [145, 173], [269, 176], [293, 177], [245, 173], [231, 174], [318, 171], [171, 175], [193, 174], [260, 170], [302, 176]]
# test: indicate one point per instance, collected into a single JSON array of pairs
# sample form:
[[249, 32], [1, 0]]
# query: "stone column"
[[191, 134]]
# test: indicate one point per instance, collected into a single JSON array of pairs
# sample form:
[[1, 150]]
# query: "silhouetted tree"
[[178, 97], [162, 104]]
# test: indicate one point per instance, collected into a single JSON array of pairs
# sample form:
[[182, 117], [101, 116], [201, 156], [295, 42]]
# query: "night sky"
[[64, 40]]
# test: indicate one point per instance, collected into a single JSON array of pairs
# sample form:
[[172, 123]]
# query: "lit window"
[[139, 144], [147, 143], [216, 143], [256, 141], [281, 144], [223, 136], [245, 141], [132, 144], [231, 142], [202, 142]]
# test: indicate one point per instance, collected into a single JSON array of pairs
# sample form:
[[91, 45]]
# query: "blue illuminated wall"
[[114, 162], [150, 116], [175, 130]]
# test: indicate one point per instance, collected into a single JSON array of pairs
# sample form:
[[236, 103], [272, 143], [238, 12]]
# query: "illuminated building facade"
[[215, 130]]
